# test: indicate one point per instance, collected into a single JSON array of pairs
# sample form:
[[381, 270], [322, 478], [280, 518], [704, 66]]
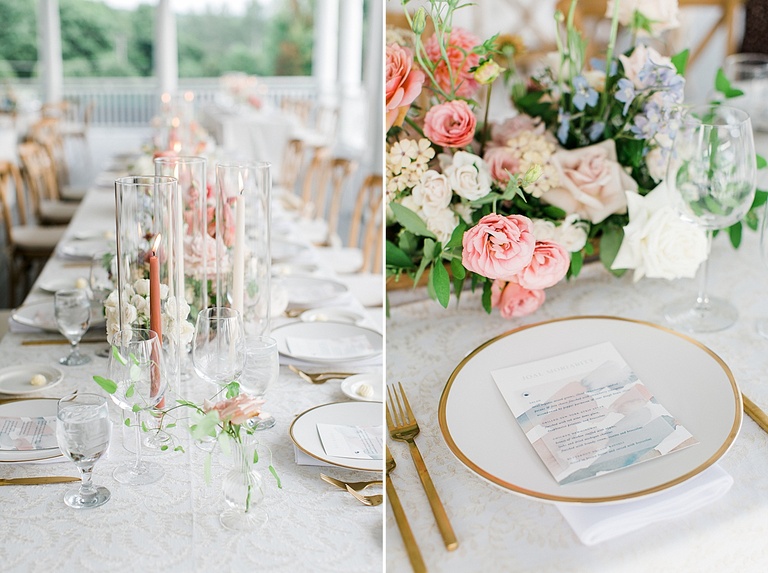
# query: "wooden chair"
[[46, 133], [341, 171], [292, 162], [28, 245], [315, 182], [365, 230], [40, 176], [726, 22]]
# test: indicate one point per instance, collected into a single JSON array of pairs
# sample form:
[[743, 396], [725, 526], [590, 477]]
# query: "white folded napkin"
[[596, 523], [303, 459]]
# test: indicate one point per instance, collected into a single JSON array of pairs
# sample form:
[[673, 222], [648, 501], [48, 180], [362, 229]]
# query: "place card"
[[27, 433], [586, 413], [356, 442], [329, 348]]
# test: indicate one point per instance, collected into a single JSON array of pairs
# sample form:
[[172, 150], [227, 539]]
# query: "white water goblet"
[[83, 431], [262, 367], [218, 348], [711, 178], [135, 366], [72, 309]]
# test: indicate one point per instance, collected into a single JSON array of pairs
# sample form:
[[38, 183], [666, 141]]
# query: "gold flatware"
[[371, 500], [295, 312], [43, 342], [754, 412], [38, 480], [414, 554], [318, 377], [355, 485], [403, 426]]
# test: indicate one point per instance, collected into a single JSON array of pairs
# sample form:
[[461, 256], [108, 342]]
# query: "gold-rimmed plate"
[[691, 381]]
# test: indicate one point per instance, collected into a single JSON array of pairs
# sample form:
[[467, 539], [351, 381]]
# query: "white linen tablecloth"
[[500, 531]]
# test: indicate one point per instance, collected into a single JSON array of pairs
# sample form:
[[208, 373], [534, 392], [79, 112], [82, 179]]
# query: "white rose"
[[573, 233], [163, 291], [432, 193], [464, 210], [112, 300], [129, 314], [469, 176], [187, 332], [141, 304], [661, 13], [657, 242], [141, 286], [544, 230], [442, 224]]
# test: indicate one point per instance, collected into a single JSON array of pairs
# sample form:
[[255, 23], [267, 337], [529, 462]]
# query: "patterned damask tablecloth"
[[173, 525], [501, 531]]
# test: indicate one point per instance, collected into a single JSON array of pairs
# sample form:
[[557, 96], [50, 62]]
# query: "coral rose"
[[450, 124], [513, 300], [498, 247], [503, 162], [404, 83], [459, 51], [548, 266]]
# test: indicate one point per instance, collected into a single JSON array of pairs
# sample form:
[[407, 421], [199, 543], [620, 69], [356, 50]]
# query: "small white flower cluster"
[[407, 161], [136, 310], [571, 233]]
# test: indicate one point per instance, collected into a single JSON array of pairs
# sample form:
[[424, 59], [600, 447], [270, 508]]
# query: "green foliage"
[[109, 386]]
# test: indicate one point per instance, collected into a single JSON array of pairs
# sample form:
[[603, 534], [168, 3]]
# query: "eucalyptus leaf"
[[136, 408], [735, 234], [119, 357], [109, 386], [130, 391], [410, 221], [277, 477]]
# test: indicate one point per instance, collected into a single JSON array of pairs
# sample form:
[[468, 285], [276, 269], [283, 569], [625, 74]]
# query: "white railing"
[[126, 102]]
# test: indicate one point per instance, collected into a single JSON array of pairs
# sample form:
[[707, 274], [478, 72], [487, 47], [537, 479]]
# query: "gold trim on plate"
[[569, 499]]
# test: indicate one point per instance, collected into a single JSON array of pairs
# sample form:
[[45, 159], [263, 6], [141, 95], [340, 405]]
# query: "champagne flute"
[[72, 309], [83, 431], [262, 367], [711, 177], [136, 368], [218, 348]]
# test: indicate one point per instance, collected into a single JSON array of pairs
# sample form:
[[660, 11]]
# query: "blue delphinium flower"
[[583, 95], [564, 119], [596, 130], [625, 94]]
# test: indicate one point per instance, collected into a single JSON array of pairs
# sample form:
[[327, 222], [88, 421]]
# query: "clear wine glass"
[[135, 365], [83, 430], [218, 348], [72, 309], [262, 366], [711, 178]]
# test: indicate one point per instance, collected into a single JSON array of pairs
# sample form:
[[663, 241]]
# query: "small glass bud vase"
[[243, 489]]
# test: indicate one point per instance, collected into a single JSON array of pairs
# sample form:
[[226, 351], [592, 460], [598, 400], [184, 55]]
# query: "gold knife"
[[754, 412], [38, 480]]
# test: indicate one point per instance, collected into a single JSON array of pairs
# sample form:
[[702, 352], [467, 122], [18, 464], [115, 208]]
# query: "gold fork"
[[355, 485], [319, 377], [414, 554], [370, 500], [402, 426]]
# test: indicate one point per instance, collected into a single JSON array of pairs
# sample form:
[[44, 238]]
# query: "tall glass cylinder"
[[243, 260], [150, 264]]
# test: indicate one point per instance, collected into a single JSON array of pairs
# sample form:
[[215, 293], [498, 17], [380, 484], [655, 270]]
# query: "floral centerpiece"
[[516, 207]]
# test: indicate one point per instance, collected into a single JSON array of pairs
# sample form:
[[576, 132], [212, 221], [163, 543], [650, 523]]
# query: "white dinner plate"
[[41, 315], [54, 284], [84, 249], [310, 291], [351, 384], [31, 407], [326, 314], [317, 332], [283, 251], [304, 430], [16, 379], [283, 269], [687, 378]]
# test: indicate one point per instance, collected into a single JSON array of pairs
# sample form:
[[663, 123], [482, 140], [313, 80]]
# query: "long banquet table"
[[173, 525], [501, 531]]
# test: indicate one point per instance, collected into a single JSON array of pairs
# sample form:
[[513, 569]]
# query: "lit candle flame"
[[156, 244]]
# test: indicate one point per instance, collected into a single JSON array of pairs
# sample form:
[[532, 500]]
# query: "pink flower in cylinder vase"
[[404, 83], [462, 59], [513, 300]]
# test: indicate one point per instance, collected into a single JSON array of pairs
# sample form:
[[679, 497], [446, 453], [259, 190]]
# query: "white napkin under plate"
[[303, 459], [597, 523]]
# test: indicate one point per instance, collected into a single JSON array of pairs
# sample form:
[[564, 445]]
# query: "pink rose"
[[458, 47], [450, 124], [512, 300], [404, 83], [198, 250], [592, 182], [238, 409], [502, 161], [498, 247], [548, 266], [514, 126]]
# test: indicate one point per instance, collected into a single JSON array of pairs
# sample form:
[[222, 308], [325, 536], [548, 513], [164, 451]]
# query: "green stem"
[[609, 56], [484, 137], [413, 124]]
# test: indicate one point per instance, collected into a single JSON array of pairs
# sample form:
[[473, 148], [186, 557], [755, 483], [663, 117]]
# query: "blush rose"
[[548, 266], [403, 85], [513, 300], [450, 124], [498, 247]]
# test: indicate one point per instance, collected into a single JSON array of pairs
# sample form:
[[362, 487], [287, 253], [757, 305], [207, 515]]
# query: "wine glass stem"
[[86, 485], [137, 423], [702, 299]]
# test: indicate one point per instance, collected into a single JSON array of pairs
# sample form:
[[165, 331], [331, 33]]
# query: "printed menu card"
[[27, 433], [586, 413]]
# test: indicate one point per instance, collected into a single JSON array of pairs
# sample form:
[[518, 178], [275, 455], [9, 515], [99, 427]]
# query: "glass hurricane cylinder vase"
[[243, 259], [243, 490]]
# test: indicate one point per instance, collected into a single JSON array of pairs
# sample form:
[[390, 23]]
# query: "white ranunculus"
[[442, 224], [469, 176], [129, 314], [141, 303], [657, 242], [433, 193], [573, 233], [544, 230], [661, 13], [141, 286]]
